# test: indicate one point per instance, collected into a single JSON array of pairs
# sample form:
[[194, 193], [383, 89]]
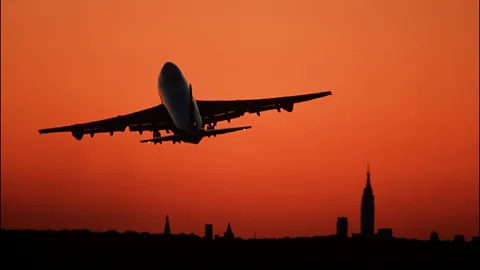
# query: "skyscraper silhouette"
[[342, 227], [166, 231], [209, 231], [368, 209]]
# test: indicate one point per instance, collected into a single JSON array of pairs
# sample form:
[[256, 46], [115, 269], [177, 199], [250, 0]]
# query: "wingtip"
[[322, 94]]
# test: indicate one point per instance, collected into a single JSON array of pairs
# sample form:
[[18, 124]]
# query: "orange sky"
[[404, 77]]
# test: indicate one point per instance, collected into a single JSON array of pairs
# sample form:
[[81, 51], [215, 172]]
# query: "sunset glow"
[[404, 78]]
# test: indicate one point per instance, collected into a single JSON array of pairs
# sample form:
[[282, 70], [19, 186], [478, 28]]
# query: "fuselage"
[[175, 94]]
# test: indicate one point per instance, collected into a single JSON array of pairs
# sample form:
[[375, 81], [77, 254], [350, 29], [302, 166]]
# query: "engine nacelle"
[[288, 107], [77, 135]]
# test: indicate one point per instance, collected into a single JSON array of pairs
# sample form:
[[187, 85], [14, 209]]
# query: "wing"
[[215, 111], [151, 119]]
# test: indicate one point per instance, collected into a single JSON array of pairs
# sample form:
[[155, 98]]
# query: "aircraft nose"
[[170, 73]]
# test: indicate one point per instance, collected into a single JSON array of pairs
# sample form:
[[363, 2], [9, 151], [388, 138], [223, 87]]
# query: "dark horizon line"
[[354, 236]]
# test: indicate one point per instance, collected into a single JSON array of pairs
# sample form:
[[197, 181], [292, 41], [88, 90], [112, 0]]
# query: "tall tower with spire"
[[166, 231], [368, 209]]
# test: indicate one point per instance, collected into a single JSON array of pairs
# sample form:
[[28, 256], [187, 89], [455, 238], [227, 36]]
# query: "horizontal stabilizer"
[[175, 138], [205, 133], [214, 132]]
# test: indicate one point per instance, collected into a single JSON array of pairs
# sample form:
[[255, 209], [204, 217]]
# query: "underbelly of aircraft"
[[176, 100]]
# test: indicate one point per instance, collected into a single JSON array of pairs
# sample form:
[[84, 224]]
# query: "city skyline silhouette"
[[374, 249], [367, 224], [368, 230]]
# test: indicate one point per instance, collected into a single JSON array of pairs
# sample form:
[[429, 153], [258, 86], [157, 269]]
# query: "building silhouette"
[[368, 209], [459, 238], [342, 227], [166, 230], [385, 233], [229, 234], [434, 237], [209, 231]]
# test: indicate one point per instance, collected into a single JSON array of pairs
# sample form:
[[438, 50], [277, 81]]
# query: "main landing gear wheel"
[[210, 126], [156, 135]]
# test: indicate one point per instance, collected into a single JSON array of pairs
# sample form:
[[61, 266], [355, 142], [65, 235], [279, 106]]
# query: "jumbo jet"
[[188, 119]]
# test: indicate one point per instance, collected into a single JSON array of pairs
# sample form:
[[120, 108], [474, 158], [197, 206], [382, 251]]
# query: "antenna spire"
[[368, 174]]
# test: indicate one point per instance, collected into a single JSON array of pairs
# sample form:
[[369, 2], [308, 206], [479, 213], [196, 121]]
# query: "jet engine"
[[288, 107], [77, 135]]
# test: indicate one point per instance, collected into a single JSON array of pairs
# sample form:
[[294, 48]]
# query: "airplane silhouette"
[[190, 120]]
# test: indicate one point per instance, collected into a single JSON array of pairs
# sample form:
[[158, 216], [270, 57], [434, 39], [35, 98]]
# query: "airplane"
[[188, 119]]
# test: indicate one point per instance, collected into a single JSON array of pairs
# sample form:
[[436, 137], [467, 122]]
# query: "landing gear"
[[156, 135], [211, 126]]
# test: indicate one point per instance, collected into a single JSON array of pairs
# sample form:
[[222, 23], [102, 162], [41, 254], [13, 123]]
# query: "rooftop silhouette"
[[166, 231], [228, 233]]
